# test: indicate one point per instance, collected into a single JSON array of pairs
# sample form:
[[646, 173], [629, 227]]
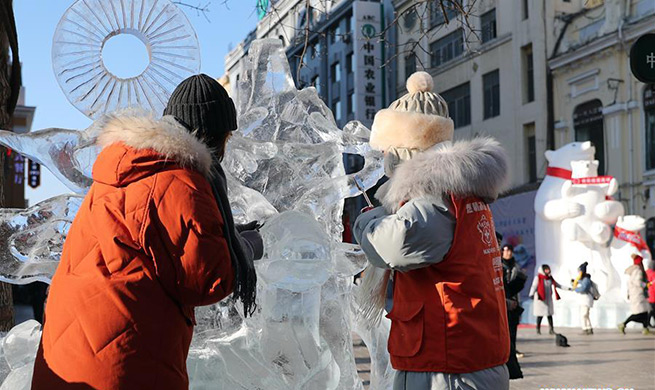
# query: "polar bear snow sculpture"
[[551, 208], [585, 237], [591, 191]]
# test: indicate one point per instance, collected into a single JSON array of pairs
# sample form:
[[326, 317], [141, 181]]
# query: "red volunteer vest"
[[451, 317]]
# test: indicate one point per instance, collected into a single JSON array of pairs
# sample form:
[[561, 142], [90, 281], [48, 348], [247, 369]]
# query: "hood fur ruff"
[[412, 130], [165, 136], [476, 167]]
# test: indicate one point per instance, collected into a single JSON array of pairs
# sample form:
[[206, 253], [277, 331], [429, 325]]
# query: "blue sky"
[[36, 21]]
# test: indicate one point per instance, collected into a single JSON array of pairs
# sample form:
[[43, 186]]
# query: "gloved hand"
[[256, 243], [252, 225]]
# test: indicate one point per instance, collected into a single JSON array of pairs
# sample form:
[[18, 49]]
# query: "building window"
[[588, 125], [447, 48], [316, 83], [488, 25], [336, 110], [526, 12], [528, 74], [336, 34], [491, 85], [437, 17], [531, 151], [649, 113], [349, 63], [459, 104], [335, 72], [352, 102], [410, 64]]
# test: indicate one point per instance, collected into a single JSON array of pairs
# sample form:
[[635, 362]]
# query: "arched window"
[[588, 125], [649, 126]]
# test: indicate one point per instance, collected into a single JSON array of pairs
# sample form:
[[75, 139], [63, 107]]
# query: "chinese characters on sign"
[[33, 174], [19, 168], [368, 86]]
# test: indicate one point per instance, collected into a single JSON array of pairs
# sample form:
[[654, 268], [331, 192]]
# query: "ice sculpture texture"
[[284, 165], [81, 35]]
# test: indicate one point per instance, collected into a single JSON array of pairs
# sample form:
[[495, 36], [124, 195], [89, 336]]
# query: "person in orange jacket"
[[435, 231], [152, 240]]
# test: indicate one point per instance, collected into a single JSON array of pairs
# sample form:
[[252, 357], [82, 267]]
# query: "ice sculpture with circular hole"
[[82, 72]]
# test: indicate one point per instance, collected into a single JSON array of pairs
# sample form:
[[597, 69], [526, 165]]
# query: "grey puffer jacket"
[[415, 225]]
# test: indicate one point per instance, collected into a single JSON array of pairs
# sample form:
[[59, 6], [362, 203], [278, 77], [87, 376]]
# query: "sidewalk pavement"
[[606, 360]]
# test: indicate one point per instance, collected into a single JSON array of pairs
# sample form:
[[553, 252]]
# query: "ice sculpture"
[[283, 166], [69, 154], [19, 350], [84, 30], [32, 240]]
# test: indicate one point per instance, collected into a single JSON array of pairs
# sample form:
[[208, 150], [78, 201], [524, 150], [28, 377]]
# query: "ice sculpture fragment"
[[84, 30]]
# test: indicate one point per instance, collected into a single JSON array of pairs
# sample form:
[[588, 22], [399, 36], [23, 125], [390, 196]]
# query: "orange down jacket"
[[145, 248]]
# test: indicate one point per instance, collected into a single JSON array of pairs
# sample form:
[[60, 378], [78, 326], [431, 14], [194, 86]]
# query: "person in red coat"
[[650, 275], [152, 240]]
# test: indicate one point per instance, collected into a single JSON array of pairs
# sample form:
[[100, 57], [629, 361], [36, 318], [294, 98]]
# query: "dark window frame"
[[459, 104], [649, 127], [447, 48], [488, 26], [436, 13], [491, 94], [410, 64]]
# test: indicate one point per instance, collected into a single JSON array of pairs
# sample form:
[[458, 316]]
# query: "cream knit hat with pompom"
[[417, 120]]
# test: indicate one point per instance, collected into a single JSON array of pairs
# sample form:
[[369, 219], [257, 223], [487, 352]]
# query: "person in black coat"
[[514, 280]]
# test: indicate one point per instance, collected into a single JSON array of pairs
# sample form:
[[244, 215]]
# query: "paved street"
[[607, 359]]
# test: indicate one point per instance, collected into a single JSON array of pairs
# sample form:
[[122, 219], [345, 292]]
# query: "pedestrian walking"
[[650, 275], [514, 280], [584, 286], [152, 240], [435, 231], [543, 289], [639, 306]]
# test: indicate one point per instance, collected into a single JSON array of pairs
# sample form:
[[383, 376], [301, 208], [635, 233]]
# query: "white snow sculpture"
[[85, 28], [551, 208], [585, 237], [286, 159], [594, 224]]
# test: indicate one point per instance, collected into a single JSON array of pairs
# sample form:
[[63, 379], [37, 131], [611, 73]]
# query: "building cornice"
[[480, 50], [602, 43]]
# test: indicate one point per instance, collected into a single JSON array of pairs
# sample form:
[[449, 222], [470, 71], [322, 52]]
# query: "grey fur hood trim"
[[476, 167], [165, 136]]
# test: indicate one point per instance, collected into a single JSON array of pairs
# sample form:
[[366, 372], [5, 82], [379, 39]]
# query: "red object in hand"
[[367, 208]]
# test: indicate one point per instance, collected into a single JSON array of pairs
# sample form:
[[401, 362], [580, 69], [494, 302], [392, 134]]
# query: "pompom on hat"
[[417, 120]]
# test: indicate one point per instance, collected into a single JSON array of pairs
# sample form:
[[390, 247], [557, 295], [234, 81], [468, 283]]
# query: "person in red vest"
[[543, 288], [650, 275], [435, 232]]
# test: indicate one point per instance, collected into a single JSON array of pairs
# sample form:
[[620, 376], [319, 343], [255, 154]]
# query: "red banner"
[[633, 238]]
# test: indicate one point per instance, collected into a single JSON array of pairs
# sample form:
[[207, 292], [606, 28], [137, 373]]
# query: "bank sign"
[[367, 60]]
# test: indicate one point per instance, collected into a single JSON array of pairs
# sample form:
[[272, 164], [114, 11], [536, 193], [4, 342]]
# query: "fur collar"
[[165, 136], [472, 167]]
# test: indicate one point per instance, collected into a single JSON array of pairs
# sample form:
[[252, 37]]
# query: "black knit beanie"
[[203, 104], [583, 267]]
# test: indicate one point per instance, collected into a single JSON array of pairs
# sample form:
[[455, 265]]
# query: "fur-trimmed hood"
[[476, 167], [165, 136]]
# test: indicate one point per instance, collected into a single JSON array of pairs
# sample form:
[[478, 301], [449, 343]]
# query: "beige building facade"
[[539, 74], [491, 70], [597, 98]]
